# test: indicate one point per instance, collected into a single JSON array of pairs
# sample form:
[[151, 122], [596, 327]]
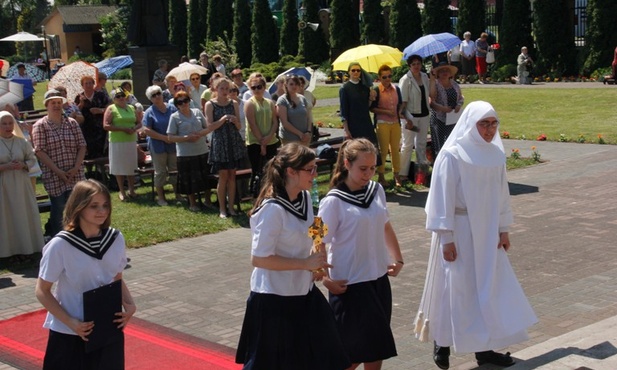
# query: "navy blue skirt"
[[363, 316], [298, 332]]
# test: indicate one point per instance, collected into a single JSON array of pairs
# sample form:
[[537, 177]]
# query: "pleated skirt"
[[297, 332], [363, 315]]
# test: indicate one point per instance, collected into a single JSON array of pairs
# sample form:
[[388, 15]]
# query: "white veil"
[[472, 148]]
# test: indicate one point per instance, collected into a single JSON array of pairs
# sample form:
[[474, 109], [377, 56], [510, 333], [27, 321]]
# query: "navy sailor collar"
[[361, 198], [298, 207], [94, 247]]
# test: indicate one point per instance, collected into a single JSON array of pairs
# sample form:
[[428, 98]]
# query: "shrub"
[[123, 74], [504, 73], [90, 58]]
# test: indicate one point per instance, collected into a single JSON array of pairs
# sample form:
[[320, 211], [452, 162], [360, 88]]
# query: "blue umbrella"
[[432, 44], [298, 71], [28, 88], [31, 71], [113, 65]]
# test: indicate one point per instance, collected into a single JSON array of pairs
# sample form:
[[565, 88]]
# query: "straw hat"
[[444, 65], [53, 94]]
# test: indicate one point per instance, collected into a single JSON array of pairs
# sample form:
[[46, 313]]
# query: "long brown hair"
[[349, 151], [80, 197], [291, 155]]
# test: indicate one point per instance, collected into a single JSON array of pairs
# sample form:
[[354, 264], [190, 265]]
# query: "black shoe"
[[441, 356], [492, 357]]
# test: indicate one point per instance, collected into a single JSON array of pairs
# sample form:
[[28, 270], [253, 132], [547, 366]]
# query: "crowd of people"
[[472, 298]]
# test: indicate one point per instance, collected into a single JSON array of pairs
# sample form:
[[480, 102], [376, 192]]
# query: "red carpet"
[[148, 346]]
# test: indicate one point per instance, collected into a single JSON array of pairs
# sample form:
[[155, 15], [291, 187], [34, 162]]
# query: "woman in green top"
[[262, 125], [122, 122]]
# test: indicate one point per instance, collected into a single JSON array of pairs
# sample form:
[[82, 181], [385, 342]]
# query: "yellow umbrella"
[[370, 57]]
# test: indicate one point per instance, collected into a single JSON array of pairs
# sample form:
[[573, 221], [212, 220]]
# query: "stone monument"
[[148, 32]]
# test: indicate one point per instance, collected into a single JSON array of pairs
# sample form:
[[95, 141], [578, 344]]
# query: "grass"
[[578, 114], [144, 223]]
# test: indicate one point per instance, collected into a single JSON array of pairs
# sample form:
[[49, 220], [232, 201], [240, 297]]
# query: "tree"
[[178, 18], [264, 33], [114, 28], [471, 17], [554, 37], [289, 29], [226, 13], [242, 32], [372, 24], [198, 10], [313, 44], [344, 32], [405, 23], [220, 12], [515, 31], [601, 36], [436, 17]]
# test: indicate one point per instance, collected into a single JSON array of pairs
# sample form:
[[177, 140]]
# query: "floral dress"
[[227, 150]]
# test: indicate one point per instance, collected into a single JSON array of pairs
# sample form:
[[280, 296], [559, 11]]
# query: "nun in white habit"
[[472, 300]]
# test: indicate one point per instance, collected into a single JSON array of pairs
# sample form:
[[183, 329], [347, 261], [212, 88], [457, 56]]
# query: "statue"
[[148, 25]]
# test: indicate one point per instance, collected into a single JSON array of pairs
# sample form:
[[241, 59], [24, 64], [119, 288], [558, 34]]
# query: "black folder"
[[101, 305]]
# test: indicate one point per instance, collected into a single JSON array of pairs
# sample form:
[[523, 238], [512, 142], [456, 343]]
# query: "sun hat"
[[53, 94], [445, 65]]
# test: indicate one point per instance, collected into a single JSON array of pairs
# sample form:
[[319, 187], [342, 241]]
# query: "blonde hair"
[[350, 150], [80, 198], [291, 155], [221, 80]]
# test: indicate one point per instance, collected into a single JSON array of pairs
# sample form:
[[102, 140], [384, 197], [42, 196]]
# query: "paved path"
[[563, 253]]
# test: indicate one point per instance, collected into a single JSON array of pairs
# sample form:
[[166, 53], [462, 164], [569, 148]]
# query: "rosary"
[[9, 149]]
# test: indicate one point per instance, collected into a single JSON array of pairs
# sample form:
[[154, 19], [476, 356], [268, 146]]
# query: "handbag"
[[490, 56]]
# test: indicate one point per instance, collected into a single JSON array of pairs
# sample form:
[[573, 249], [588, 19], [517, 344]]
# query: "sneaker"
[[495, 358], [194, 209], [162, 202]]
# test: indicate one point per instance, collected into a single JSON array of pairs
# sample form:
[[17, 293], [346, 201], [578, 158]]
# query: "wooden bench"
[[330, 141], [149, 171], [100, 166], [241, 174], [43, 202]]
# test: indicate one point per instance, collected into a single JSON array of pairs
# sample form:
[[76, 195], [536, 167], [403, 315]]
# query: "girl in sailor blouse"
[[86, 255], [363, 251], [288, 323]]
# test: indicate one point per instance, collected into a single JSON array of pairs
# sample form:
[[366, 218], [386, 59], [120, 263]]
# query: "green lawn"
[[527, 113]]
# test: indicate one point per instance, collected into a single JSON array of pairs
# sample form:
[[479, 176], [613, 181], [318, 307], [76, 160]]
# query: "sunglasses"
[[312, 170], [355, 70], [195, 79], [386, 77], [158, 93], [182, 101], [257, 87]]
